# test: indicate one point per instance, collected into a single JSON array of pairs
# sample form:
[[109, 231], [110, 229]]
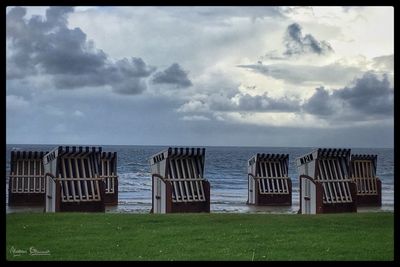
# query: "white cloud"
[[195, 118], [78, 113]]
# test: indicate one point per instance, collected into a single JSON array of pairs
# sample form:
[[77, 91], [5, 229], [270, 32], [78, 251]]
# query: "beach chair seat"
[[26, 180], [325, 184], [178, 183], [363, 173], [73, 181], [268, 180]]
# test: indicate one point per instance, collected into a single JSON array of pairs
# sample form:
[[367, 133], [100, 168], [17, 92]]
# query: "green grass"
[[108, 236]]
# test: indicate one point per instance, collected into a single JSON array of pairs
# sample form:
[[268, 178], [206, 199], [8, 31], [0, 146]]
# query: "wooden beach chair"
[[363, 173], [108, 171], [325, 183], [73, 181], [268, 180], [26, 185], [178, 183]]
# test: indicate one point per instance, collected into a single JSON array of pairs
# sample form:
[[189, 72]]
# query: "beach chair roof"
[[70, 151], [108, 155], [323, 153], [177, 152], [27, 155], [268, 157], [364, 157]]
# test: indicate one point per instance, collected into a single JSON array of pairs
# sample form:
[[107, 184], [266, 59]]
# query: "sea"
[[225, 169]]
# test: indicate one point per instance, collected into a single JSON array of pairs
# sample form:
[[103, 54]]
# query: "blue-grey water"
[[225, 168]]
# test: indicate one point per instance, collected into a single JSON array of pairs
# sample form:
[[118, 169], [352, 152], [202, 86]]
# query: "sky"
[[200, 76]]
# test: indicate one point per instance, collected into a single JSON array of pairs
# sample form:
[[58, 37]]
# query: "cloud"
[[194, 106], [320, 103], [240, 103], [296, 44], [369, 97], [78, 113], [296, 74], [48, 46], [174, 74], [384, 62], [195, 118], [263, 102]]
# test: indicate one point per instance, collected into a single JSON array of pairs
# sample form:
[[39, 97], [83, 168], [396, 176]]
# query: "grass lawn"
[[215, 236]]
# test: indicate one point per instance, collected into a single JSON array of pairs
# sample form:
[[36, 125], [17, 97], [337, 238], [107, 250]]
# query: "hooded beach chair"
[[325, 183], [178, 183], [73, 181], [268, 180], [363, 173], [26, 181]]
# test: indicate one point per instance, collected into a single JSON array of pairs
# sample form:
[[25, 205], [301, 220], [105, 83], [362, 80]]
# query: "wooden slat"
[[65, 183], [191, 175], [338, 178], [78, 182], [196, 176], [178, 175], [270, 174], [175, 184], [330, 179], [19, 181], [333, 178], [13, 183], [344, 180], [269, 186], [348, 192], [368, 172], [97, 183], [326, 195], [281, 175], [171, 175], [72, 183], [35, 181], [23, 179], [360, 175], [181, 183], [341, 184], [92, 195], [197, 159], [276, 175], [27, 179], [42, 181], [286, 186], [85, 185], [185, 175]]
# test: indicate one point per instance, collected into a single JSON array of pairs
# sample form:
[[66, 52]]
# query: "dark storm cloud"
[[263, 103], [368, 96], [48, 46], [320, 103], [296, 44], [174, 75]]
